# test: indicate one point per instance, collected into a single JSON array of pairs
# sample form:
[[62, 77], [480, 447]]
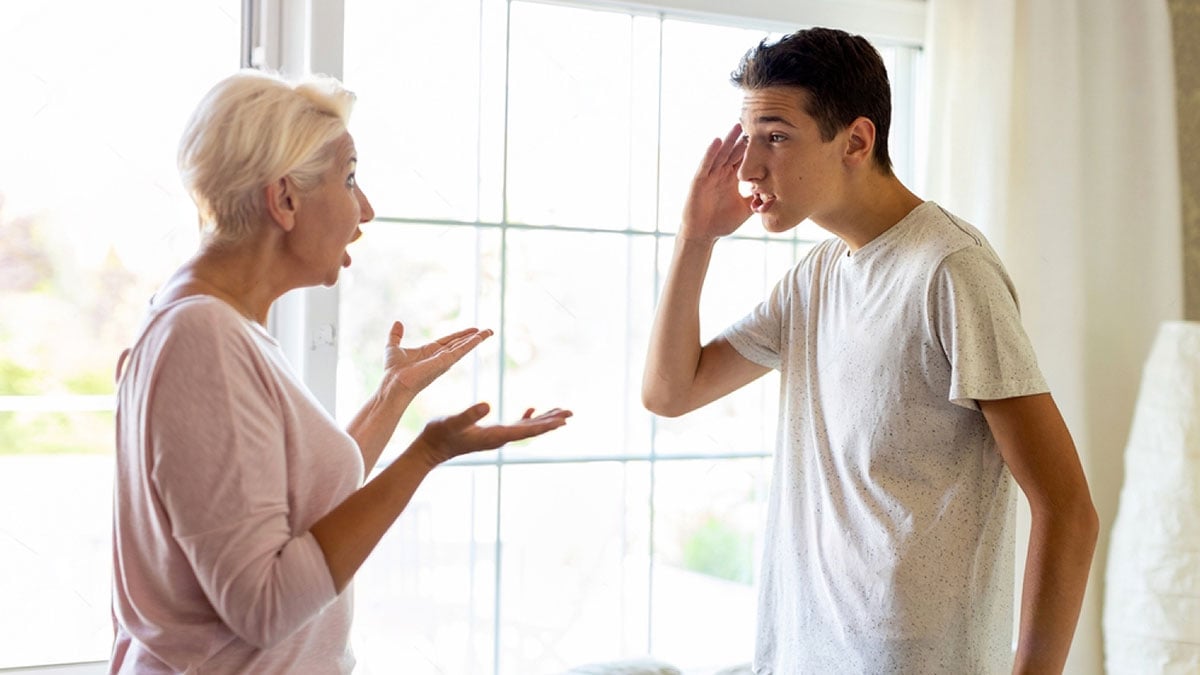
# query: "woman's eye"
[[351, 181]]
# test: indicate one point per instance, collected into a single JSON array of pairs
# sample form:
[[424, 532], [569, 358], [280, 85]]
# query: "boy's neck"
[[872, 205]]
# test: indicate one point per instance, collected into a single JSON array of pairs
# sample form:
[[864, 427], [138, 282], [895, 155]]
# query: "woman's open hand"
[[448, 437], [413, 368]]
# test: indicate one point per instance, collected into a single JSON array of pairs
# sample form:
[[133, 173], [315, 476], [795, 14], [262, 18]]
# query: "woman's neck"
[[232, 274]]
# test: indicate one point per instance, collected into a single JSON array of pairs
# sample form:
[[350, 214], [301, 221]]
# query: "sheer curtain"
[[1052, 128]]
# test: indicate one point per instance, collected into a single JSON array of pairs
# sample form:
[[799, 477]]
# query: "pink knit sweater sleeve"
[[220, 426]]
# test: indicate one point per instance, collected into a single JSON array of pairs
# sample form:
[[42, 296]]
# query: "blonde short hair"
[[250, 130]]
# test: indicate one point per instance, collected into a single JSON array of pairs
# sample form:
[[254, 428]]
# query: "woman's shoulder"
[[193, 321], [198, 311], [201, 328]]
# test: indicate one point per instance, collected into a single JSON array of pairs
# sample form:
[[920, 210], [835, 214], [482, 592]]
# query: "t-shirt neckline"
[[879, 243]]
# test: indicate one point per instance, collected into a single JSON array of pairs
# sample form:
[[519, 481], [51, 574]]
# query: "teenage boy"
[[911, 395]]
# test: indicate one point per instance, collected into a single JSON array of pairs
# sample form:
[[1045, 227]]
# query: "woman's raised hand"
[[411, 369]]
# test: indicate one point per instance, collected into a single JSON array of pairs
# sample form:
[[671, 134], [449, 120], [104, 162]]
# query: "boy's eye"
[[777, 138]]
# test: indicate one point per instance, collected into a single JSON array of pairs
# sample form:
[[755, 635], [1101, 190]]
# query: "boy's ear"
[[860, 141], [281, 201]]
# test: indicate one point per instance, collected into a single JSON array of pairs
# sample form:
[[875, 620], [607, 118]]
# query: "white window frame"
[[303, 36], [308, 38], [296, 37], [896, 21]]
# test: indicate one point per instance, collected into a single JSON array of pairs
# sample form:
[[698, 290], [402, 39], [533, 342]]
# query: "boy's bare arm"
[[1038, 449]]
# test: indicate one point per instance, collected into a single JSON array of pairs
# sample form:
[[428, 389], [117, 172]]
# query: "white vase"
[[1152, 583]]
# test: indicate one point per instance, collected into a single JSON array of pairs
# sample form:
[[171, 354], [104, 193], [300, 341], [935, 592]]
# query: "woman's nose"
[[368, 213]]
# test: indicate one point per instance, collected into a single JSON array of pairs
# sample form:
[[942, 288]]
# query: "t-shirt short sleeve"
[[758, 336], [977, 320]]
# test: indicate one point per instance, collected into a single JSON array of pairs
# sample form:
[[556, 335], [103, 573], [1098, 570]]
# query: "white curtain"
[[1052, 129]]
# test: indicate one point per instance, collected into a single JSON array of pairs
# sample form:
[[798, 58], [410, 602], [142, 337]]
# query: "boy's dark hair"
[[843, 74]]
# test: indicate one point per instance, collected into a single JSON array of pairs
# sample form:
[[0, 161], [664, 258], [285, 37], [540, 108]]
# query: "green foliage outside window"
[[41, 433], [721, 550], [62, 327]]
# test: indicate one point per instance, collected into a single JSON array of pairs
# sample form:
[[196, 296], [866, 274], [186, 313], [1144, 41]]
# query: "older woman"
[[240, 513]]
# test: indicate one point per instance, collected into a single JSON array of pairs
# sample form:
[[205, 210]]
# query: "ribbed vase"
[[1152, 584]]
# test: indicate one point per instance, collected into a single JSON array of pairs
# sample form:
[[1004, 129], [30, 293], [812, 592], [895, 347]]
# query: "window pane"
[[698, 104], [92, 218], [55, 525], [575, 565], [901, 63], [416, 123], [50, 430], [570, 104], [435, 279], [573, 170], [741, 275], [709, 518], [578, 311], [424, 601]]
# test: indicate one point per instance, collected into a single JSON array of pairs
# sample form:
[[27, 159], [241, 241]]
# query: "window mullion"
[[296, 38]]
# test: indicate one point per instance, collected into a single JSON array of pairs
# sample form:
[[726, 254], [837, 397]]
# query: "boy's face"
[[793, 174]]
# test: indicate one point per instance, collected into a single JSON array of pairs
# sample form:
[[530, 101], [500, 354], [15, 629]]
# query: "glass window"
[[575, 545], [569, 116], [426, 603], [416, 69], [92, 218], [576, 324], [708, 525], [527, 162], [567, 137]]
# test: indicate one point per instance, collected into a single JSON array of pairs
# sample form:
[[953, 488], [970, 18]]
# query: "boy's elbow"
[[1069, 512], [1089, 521], [659, 403], [1084, 516], [1079, 517]]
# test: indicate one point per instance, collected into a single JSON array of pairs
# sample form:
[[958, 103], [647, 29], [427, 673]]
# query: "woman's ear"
[[860, 141], [281, 203]]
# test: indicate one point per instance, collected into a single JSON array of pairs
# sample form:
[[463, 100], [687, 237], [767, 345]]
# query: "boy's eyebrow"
[[768, 119]]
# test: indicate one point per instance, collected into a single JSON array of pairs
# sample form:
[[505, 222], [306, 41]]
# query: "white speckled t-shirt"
[[889, 543]]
